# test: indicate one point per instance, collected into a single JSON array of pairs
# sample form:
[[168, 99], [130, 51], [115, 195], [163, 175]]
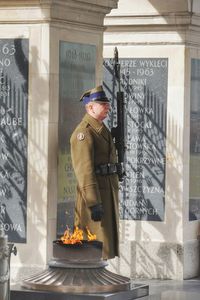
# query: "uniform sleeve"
[[82, 153]]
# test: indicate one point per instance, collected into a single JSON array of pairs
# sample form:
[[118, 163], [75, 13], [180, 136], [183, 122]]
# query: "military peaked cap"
[[95, 95]]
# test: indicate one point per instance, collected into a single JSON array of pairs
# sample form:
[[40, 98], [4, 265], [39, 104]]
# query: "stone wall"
[[147, 30]]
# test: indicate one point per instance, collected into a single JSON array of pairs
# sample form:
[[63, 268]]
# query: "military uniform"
[[92, 147]]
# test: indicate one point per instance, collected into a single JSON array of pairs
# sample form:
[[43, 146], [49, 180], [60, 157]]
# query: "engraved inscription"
[[77, 74], [13, 137], [144, 83]]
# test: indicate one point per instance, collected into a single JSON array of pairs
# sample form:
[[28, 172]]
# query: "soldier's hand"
[[96, 212]]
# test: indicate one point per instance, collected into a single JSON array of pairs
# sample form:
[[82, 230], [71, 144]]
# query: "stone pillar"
[[159, 47], [43, 25]]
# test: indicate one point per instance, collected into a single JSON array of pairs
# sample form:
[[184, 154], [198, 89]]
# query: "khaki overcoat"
[[92, 145]]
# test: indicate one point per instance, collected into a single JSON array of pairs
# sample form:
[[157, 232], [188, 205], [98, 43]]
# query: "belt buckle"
[[108, 168], [104, 169], [111, 168]]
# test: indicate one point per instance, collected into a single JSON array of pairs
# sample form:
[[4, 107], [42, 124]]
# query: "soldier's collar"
[[94, 123]]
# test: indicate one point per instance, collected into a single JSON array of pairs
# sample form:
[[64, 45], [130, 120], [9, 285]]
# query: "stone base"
[[157, 260], [191, 259], [137, 291]]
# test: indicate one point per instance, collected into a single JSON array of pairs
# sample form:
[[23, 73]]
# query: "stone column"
[[42, 25], [4, 266], [159, 47]]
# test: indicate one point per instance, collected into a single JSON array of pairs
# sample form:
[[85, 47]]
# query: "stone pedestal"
[[160, 240]]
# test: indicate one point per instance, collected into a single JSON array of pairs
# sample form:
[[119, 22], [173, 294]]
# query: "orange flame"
[[76, 236], [91, 237]]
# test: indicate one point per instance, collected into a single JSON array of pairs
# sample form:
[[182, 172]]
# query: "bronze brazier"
[[77, 268]]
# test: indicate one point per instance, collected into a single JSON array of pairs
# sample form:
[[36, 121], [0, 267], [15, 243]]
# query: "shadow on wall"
[[171, 6], [145, 258], [13, 133], [163, 262], [24, 163], [142, 192], [140, 255], [37, 167]]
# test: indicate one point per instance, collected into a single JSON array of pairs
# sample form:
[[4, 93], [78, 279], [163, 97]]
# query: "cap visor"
[[102, 101]]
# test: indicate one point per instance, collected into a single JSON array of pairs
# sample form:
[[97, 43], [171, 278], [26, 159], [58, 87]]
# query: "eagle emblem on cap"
[[80, 136]]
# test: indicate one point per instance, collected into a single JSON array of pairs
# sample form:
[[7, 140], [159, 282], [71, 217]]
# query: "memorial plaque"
[[144, 82], [77, 74], [194, 187], [13, 137]]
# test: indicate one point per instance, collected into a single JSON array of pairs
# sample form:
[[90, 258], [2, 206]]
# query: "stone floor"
[[158, 290], [173, 289]]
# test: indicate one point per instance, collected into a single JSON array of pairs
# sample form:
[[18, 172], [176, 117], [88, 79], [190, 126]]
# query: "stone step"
[[137, 291]]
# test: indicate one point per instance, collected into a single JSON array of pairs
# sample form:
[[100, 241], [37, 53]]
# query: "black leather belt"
[[106, 169]]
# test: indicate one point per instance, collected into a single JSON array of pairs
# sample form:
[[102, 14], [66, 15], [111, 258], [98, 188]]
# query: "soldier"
[[94, 161]]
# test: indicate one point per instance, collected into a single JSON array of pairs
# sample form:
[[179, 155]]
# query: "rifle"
[[118, 131]]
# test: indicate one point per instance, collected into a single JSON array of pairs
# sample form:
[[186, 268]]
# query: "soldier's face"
[[100, 110]]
